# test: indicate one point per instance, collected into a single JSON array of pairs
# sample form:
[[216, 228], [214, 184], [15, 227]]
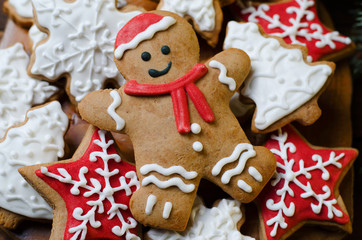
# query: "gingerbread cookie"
[[80, 43], [282, 84], [167, 90], [297, 22], [21, 11], [18, 91], [206, 15], [39, 139], [90, 192], [221, 221], [305, 187]]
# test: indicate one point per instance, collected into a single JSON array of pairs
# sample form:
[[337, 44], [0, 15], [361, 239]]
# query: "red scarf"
[[178, 89]]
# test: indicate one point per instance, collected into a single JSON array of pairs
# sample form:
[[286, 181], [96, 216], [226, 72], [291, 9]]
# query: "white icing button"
[[197, 146], [195, 128]]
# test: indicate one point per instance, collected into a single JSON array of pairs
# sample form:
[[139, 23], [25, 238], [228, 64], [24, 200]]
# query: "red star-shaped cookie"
[[305, 187], [90, 192], [297, 22]]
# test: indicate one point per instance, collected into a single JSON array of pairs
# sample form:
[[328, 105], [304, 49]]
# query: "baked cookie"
[[282, 84], [171, 154], [21, 11], [18, 91], [221, 221], [39, 139], [305, 189], [80, 43], [90, 192], [206, 15], [297, 22], [35, 36]]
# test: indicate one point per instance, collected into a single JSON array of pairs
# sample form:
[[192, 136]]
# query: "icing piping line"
[[147, 168], [151, 201], [175, 181], [222, 75], [111, 110]]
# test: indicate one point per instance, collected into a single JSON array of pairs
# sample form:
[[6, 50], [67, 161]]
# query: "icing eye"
[[165, 49], [146, 56]]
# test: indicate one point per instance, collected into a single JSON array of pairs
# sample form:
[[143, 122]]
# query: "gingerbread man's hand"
[[232, 67], [102, 113]]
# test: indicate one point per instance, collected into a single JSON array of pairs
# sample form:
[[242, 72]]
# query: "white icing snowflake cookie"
[[219, 222], [80, 44], [36, 36], [206, 15], [281, 81], [38, 140], [21, 11], [18, 91]]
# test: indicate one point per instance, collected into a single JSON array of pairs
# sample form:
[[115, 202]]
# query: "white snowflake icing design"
[[218, 222], [39, 140], [94, 187], [291, 176], [298, 26], [18, 91], [81, 42]]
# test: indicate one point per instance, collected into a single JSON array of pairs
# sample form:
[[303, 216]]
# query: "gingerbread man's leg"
[[165, 197], [244, 173]]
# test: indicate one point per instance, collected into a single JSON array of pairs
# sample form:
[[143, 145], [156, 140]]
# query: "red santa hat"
[[140, 28]]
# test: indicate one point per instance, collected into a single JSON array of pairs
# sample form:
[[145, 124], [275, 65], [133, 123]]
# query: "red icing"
[[285, 17], [80, 201], [178, 90], [303, 209], [136, 25]]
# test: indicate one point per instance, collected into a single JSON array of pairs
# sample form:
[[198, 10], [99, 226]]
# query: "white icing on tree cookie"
[[39, 140], [22, 7], [18, 91], [202, 11], [219, 222], [81, 42], [280, 80]]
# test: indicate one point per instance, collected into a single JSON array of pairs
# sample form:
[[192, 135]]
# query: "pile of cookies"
[[172, 120]]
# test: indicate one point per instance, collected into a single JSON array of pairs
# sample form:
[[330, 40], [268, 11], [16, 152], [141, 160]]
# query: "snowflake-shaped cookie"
[[297, 22], [280, 81], [219, 222], [20, 11], [38, 140], [305, 186], [18, 91], [93, 188], [80, 44]]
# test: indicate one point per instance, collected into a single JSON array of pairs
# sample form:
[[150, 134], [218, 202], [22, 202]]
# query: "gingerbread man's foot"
[[162, 208], [245, 172]]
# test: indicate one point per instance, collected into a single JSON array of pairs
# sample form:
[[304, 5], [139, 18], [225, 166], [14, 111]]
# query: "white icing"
[[175, 181], [219, 222], [151, 202], [195, 128], [161, 25], [39, 140], [111, 110], [79, 44], [280, 81], [197, 146], [298, 25], [242, 153], [23, 8], [167, 210], [202, 11], [230, 82], [94, 188], [18, 91], [147, 168], [287, 172], [121, 3], [255, 174], [244, 186], [36, 35]]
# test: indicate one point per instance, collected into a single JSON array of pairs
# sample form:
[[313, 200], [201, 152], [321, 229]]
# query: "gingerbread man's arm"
[[101, 109], [231, 67]]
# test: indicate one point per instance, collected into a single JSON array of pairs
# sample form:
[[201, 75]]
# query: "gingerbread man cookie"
[[177, 115]]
